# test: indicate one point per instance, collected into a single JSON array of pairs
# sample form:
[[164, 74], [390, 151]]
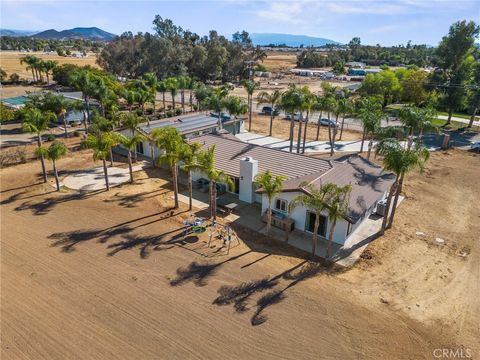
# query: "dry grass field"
[[10, 61], [280, 61], [108, 275]]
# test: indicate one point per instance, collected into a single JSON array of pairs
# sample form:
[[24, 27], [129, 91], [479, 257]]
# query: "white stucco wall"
[[299, 214]]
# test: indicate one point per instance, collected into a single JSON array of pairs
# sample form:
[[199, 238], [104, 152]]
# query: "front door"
[[322, 228], [140, 148]]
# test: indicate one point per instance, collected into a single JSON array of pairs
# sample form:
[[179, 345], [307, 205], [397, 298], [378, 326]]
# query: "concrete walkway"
[[310, 146], [94, 179]]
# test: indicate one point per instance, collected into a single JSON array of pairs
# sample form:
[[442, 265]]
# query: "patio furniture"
[[280, 221]]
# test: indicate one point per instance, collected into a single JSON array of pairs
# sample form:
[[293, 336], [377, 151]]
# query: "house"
[[244, 161], [188, 125]]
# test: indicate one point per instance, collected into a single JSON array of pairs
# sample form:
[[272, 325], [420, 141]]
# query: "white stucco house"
[[244, 161]]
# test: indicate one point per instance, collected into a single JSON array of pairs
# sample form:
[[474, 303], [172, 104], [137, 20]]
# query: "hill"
[[16, 33], [92, 33], [289, 40]]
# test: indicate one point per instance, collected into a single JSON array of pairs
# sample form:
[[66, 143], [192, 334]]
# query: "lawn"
[[453, 124]]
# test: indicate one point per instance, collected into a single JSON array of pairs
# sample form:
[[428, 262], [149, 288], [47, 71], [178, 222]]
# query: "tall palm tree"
[[182, 82], [207, 164], [54, 152], [309, 104], [130, 96], [152, 83], [36, 122], [400, 161], [344, 106], [273, 99], [337, 205], [48, 67], [235, 106], [29, 60], [417, 120], [320, 106], [216, 102], [314, 199], [131, 121], [192, 85], [130, 143], [250, 86], [371, 114], [82, 80], [170, 142], [101, 145], [190, 154], [162, 87], [272, 186], [292, 101], [172, 86]]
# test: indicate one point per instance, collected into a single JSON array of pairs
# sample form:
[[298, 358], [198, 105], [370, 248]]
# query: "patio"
[[249, 216]]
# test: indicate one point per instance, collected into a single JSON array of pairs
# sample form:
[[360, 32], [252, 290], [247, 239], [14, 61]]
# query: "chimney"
[[248, 171]]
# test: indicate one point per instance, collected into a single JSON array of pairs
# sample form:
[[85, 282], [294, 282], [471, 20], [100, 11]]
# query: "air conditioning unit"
[[381, 207]]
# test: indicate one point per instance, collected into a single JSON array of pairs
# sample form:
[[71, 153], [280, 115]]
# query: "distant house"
[[355, 65], [244, 161], [189, 126]]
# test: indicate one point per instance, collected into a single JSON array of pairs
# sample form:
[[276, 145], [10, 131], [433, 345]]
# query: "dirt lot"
[[107, 275], [10, 61]]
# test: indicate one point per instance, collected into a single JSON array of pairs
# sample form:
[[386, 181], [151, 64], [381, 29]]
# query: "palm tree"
[[273, 100], [314, 199], [235, 106], [272, 185], [250, 86], [400, 161], [172, 86], [292, 100], [309, 103], [162, 87], [36, 122], [130, 143], [152, 82], [54, 152], [337, 204], [130, 96], [82, 80], [182, 82], [320, 106], [190, 154], [344, 106], [216, 102], [417, 120], [370, 114], [48, 67], [191, 86], [131, 121], [170, 142], [29, 60], [101, 144], [207, 165]]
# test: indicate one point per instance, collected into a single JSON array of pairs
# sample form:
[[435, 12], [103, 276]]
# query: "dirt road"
[[107, 275]]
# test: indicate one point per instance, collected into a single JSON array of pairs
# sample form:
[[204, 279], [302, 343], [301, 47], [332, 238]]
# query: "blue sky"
[[385, 22]]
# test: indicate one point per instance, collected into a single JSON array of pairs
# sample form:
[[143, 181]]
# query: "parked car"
[[327, 122], [267, 110], [296, 116], [475, 146]]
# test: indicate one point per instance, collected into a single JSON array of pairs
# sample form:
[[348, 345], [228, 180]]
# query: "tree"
[[337, 205], [235, 106], [36, 122], [162, 87], [48, 67], [190, 154], [474, 93], [170, 142], [344, 106], [292, 101], [101, 145], [273, 99], [250, 86], [216, 102], [3, 75], [130, 143], [400, 161], [454, 62], [417, 120], [271, 185], [413, 87], [370, 113], [172, 86], [54, 152], [207, 163], [385, 84], [309, 103], [131, 121], [152, 83], [82, 80], [339, 68], [314, 199]]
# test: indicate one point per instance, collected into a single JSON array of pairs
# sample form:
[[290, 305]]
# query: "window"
[[281, 205]]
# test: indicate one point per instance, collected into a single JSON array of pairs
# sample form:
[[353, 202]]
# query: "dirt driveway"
[[108, 275]]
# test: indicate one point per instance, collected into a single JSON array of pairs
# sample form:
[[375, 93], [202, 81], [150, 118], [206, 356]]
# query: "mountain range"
[[90, 33], [264, 39]]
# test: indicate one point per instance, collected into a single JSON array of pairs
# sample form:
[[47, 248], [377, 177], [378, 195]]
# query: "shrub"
[[76, 133], [178, 111], [169, 113], [50, 137]]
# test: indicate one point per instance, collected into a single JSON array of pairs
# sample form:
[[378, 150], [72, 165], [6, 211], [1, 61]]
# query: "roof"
[[368, 181], [185, 124], [229, 151]]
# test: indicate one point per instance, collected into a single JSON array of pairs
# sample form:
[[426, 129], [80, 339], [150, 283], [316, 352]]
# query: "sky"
[[374, 21]]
